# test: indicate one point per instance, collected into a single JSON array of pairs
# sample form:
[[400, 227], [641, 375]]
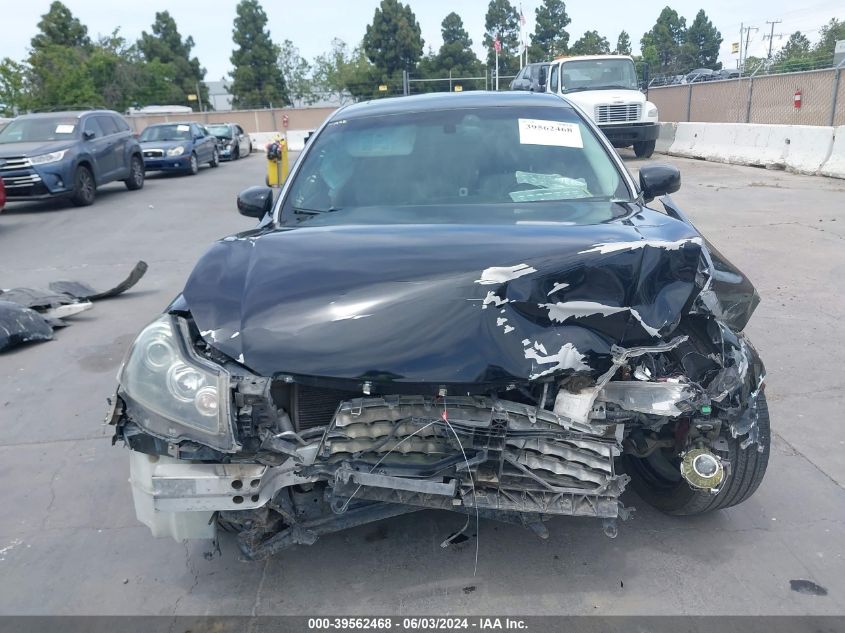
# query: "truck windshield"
[[599, 74]]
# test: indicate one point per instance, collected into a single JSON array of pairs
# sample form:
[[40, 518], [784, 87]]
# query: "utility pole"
[[748, 30], [771, 36]]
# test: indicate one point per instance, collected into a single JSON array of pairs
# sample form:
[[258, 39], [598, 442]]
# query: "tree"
[[297, 73], [795, 54], [59, 77], [343, 75], [550, 38], [13, 98], [701, 45], [166, 46], [661, 45], [257, 80], [502, 21], [591, 43], [456, 54], [59, 27], [829, 34], [393, 42], [623, 44]]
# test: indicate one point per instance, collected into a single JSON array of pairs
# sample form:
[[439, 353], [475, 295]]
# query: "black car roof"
[[173, 123], [448, 101]]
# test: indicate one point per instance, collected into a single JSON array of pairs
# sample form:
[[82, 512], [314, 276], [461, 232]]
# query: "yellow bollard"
[[277, 162]]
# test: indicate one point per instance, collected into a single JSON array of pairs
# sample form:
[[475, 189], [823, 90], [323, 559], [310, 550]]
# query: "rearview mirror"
[[658, 179], [541, 80], [255, 202], [88, 135]]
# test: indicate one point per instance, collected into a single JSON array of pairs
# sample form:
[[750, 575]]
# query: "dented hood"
[[446, 304]]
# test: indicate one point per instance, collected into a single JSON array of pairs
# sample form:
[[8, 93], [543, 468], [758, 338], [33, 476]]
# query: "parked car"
[[727, 73], [529, 78], [232, 141], [68, 154], [179, 147], [507, 326], [698, 75], [2, 195]]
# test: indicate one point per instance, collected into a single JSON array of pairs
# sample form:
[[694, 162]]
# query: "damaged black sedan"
[[459, 302]]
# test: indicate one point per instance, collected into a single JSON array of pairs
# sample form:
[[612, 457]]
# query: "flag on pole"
[[497, 45]]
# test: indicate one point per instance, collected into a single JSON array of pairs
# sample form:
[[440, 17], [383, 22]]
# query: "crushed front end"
[[542, 381]]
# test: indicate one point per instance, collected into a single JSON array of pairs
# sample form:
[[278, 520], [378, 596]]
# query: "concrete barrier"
[[295, 138], [666, 137], [835, 164], [797, 148]]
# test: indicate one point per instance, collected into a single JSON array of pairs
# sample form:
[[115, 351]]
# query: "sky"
[[312, 24]]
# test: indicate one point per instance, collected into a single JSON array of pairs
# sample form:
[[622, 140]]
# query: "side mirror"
[[88, 135], [658, 179], [255, 202], [541, 80]]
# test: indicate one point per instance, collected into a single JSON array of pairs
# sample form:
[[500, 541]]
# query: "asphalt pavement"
[[70, 544]]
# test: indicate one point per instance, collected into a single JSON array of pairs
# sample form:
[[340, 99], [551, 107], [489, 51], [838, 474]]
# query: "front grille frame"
[[618, 112]]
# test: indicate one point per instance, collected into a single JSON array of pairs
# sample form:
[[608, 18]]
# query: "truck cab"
[[605, 88]]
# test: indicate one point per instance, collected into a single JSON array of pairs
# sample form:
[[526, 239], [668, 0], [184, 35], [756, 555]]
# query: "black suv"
[[68, 154]]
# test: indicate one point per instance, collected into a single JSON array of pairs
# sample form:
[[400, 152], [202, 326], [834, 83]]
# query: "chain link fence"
[[815, 97]]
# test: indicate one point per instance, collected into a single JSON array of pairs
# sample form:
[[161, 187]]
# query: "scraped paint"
[[501, 274], [568, 357], [612, 247]]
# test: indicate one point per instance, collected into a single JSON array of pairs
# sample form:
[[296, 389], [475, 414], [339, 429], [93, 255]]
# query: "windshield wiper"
[[301, 211], [606, 87]]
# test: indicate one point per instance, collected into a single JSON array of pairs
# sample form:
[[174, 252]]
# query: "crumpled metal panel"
[[445, 303]]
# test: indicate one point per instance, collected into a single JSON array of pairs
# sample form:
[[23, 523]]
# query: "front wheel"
[[136, 174], [644, 149], [194, 166], [657, 478], [215, 158], [84, 189]]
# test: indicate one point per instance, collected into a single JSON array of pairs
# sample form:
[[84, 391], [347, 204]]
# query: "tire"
[[644, 149], [84, 187], [215, 159], [237, 151], [677, 497], [194, 167], [136, 174]]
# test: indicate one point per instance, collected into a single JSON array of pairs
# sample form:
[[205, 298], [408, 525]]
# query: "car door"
[[204, 143], [243, 141], [98, 148], [115, 147]]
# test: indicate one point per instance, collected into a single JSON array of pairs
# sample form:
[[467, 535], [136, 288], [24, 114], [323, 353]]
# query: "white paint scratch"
[[235, 335], [212, 334], [241, 359], [566, 358], [557, 287], [562, 311], [612, 247], [501, 274], [8, 548]]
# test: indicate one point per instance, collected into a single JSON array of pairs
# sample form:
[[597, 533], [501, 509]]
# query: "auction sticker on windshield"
[[557, 133]]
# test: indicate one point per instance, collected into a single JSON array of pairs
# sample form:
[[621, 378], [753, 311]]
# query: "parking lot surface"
[[70, 544]]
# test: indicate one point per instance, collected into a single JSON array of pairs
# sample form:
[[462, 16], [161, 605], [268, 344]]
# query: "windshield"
[[598, 74], [176, 132], [220, 130], [40, 129], [462, 165]]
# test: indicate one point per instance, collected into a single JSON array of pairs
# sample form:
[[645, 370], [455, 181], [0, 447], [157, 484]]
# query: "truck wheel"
[[84, 189], [644, 149], [136, 174], [657, 478]]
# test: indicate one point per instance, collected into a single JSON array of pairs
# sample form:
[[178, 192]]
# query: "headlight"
[[52, 157], [176, 151], [171, 391], [651, 113]]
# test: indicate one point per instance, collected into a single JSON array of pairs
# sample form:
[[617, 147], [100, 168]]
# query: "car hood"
[[36, 148], [164, 144], [446, 304]]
